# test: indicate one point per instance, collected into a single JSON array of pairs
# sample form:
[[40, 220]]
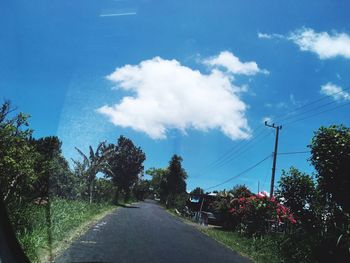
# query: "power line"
[[240, 174], [309, 104], [241, 151], [287, 153], [317, 113], [229, 152], [233, 153]]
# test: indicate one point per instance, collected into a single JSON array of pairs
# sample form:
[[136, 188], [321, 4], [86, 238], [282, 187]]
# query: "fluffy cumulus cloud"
[[323, 44], [167, 95], [233, 65], [335, 91]]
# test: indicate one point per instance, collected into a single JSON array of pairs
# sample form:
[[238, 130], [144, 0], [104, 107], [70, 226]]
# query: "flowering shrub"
[[257, 213]]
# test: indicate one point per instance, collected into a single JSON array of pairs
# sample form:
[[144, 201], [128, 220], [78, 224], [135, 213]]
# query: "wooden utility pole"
[[277, 128]]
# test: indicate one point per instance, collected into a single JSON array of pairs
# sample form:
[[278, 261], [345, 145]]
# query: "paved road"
[[146, 233]]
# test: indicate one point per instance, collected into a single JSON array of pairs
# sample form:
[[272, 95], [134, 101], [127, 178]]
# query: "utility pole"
[[277, 128]]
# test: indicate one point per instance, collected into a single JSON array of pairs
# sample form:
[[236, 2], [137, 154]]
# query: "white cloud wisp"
[[325, 45], [335, 92], [167, 95]]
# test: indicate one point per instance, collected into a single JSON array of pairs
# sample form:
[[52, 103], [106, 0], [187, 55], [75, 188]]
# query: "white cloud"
[[233, 65], [323, 44], [168, 95], [335, 91], [263, 35], [269, 36]]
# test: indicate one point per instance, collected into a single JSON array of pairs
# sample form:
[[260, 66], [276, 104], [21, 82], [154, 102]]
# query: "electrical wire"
[[309, 104], [318, 113], [240, 174], [287, 153]]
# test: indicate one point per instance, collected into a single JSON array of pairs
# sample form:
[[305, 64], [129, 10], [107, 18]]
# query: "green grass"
[[67, 217], [259, 249], [264, 249]]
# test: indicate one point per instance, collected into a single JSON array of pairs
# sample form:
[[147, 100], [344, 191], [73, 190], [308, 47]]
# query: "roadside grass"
[[49, 230], [264, 249], [259, 249]]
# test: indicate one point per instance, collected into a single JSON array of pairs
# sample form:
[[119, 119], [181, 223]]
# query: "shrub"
[[258, 214]]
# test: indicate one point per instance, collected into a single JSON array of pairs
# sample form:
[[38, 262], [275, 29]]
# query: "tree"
[[17, 156], [158, 182], [104, 190], [330, 155], [53, 174], [141, 189], [239, 191], [297, 192], [94, 163], [176, 179], [125, 165], [197, 191], [330, 149]]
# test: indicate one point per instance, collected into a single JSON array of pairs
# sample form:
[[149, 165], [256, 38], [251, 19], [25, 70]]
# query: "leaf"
[[339, 238]]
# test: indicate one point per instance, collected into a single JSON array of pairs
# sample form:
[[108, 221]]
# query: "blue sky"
[[202, 77]]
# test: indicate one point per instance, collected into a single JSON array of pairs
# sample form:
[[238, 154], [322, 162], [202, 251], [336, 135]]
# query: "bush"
[[258, 214], [180, 201]]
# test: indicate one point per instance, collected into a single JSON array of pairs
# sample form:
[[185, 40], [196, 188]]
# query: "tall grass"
[[39, 228], [263, 249]]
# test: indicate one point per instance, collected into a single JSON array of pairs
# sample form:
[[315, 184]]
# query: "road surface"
[[146, 233]]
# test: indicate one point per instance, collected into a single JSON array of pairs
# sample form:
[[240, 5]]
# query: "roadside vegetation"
[[308, 220], [263, 249], [47, 200], [49, 226]]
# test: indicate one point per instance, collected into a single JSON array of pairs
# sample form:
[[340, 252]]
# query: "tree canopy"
[[330, 149], [125, 164]]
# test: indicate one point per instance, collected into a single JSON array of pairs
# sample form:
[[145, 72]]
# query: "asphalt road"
[[146, 233]]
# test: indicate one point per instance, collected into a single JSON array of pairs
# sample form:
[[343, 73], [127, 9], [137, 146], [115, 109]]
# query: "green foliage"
[[330, 148], [222, 205], [180, 201], [176, 179], [197, 191], [257, 215], [262, 249], [125, 164], [239, 191], [54, 177], [104, 190], [141, 190], [92, 164], [17, 157], [297, 191], [169, 184], [44, 227], [158, 182]]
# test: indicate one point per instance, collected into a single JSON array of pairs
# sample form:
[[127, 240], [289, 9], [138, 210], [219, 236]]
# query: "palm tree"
[[92, 164]]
